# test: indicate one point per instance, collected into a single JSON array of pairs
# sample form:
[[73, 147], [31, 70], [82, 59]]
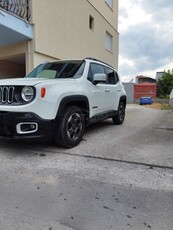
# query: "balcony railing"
[[20, 8]]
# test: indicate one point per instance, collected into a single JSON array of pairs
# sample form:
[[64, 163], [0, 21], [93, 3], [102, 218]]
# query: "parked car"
[[171, 100], [57, 100], [145, 101]]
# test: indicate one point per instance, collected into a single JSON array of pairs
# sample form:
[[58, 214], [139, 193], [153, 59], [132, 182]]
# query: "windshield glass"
[[61, 69]]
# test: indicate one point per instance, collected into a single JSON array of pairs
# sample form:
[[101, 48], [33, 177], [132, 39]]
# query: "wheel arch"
[[80, 101], [124, 99]]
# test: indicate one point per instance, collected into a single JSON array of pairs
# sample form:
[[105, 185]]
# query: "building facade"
[[35, 31], [159, 75], [142, 79], [145, 86]]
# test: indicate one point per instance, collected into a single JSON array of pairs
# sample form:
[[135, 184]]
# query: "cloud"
[[147, 42]]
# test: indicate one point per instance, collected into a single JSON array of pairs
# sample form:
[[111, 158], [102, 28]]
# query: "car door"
[[100, 101], [114, 86]]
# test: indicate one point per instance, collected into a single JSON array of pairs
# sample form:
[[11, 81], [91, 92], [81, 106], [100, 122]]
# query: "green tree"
[[165, 84]]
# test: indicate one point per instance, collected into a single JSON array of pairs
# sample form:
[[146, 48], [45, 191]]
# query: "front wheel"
[[71, 127], [118, 119]]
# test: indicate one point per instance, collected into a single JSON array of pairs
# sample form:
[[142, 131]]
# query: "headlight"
[[27, 93]]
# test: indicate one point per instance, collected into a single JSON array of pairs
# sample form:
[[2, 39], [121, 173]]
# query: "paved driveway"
[[145, 137], [119, 177]]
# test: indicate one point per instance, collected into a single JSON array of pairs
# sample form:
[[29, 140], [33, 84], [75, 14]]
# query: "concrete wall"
[[13, 52], [62, 30], [10, 69], [129, 88], [111, 15]]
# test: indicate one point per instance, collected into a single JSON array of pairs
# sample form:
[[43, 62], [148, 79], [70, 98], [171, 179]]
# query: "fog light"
[[26, 127]]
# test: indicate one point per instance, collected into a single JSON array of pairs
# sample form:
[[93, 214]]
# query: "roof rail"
[[94, 59]]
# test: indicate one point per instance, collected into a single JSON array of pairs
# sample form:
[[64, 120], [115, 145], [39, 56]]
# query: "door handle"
[[107, 90]]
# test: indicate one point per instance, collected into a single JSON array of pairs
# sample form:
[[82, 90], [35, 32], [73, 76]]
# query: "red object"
[[145, 89], [43, 92]]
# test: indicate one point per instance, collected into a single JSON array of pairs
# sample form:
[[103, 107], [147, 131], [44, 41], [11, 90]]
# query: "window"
[[61, 69], [91, 22], [109, 40], [95, 68], [110, 3], [112, 77]]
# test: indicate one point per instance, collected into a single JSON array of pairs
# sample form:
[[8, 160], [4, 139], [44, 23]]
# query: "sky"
[[146, 37]]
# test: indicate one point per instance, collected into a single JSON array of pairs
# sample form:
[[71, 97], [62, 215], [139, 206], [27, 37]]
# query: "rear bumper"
[[143, 102], [15, 125]]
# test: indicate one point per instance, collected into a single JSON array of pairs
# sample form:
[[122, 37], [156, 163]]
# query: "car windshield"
[[61, 69]]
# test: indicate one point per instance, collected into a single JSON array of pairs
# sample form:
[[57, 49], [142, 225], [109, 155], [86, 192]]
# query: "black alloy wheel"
[[118, 119], [71, 127]]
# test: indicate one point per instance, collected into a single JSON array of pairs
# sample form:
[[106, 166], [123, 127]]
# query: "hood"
[[31, 81]]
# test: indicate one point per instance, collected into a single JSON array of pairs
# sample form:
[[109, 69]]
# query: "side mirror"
[[98, 78]]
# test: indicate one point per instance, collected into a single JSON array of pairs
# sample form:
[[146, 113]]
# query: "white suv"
[[57, 100]]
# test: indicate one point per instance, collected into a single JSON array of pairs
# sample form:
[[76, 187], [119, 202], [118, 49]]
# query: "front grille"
[[11, 95], [6, 94]]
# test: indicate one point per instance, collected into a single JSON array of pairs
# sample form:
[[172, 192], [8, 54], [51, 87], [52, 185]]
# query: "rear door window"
[[112, 76]]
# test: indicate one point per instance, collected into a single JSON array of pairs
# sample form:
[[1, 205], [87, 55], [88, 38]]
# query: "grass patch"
[[159, 106]]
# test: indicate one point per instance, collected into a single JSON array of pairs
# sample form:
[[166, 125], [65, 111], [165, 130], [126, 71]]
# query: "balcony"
[[14, 22], [20, 8]]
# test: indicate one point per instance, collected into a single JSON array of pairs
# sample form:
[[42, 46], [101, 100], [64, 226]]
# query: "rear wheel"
[[118, 119], [71, 127]]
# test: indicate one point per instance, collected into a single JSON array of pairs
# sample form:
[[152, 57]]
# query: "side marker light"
[[43, 92]]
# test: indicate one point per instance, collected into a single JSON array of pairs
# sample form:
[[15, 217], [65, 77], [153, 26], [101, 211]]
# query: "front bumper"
[[20, 125]]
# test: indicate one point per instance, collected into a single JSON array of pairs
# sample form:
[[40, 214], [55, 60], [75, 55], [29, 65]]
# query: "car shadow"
[[100, 125], [40, 148]]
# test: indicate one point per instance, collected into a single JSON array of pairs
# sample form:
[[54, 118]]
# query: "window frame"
[[109, 42], [106, 70], [90, 78], [110, 4], [116, 78]]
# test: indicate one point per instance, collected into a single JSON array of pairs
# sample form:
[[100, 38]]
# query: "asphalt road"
[[119, 177]]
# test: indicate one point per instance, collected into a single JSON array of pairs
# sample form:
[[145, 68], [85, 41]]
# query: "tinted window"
[[61, 69], [95, 68], [112, 77], [64, 69]]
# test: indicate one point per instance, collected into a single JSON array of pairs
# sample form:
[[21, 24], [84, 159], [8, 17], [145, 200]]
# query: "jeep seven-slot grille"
[[6, 94]]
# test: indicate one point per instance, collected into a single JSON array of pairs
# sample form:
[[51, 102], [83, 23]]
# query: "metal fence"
[[20, 8]]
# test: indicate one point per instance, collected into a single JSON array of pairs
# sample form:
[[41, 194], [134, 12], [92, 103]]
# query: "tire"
[[118, 119], [71, 128]]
